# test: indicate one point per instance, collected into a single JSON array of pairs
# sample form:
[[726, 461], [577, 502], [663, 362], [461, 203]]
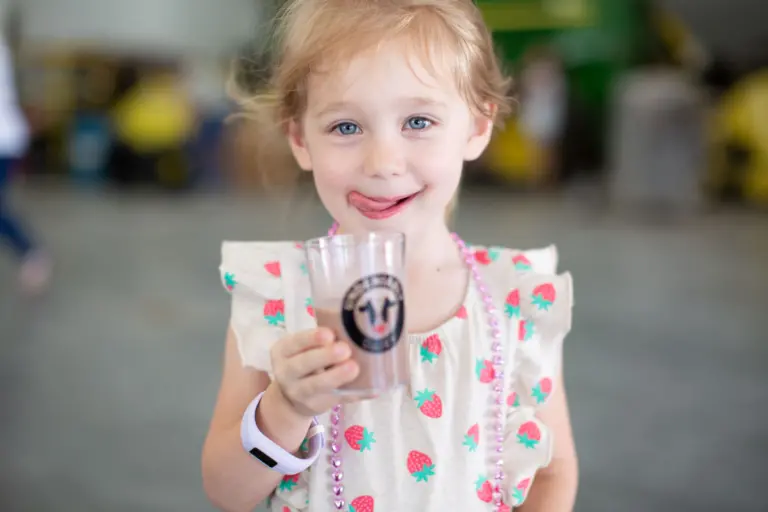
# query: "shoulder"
[[529, 289], [258, 262], [543, 260]]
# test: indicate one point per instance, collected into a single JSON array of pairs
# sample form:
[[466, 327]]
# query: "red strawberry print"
[[482, 257], [521, 489], [544, 296], [288, 483], [309, 307], [513, 400], [431, 349], [359, 438], [229, 281], [472, 439], [299, 245], [462, 313], [521, 262], [529, 434], [274, 312], [286, 509], [512, 304], [542, 390], [361, 504], [420, 466], [484, 370], [504, 507], [273, 267], [484, 489], [486, 256], [429, 403], [525, 330]]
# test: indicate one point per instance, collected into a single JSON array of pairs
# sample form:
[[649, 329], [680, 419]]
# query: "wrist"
[[279, 420]]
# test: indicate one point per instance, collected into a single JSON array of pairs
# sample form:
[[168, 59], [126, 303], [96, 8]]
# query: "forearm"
[[233, 479], [553, 491]]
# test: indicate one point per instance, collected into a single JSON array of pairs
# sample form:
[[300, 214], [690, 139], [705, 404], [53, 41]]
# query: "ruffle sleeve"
[[538, 311], [252, 273]]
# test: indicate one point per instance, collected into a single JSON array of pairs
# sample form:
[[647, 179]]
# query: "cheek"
[[439, 164]]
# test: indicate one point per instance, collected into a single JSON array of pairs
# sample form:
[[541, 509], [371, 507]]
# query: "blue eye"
[[346, 128], [418, 123]]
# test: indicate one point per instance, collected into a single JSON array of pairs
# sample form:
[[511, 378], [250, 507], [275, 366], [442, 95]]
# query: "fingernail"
[[340, 350]]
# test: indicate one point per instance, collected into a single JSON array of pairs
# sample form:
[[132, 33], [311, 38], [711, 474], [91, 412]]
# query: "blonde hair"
[[449, 35]]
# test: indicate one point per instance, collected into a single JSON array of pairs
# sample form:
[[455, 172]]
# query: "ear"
[[481, 131], [298, 145]]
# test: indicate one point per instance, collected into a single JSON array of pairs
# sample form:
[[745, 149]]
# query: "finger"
[[306, 340], [317, 360], [329, 380]]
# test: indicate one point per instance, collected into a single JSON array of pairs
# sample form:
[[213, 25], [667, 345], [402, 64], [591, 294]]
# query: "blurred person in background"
[[35, 266], [543, 110]]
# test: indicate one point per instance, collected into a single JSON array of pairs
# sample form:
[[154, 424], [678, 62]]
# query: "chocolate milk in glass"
[[358, 293]]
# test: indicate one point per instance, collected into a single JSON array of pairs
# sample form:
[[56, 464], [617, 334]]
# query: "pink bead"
[[498, 411]]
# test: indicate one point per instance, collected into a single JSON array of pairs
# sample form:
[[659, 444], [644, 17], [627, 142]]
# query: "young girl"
[[383, 101]]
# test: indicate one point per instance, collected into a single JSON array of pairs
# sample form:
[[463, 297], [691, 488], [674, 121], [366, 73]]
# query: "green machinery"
[[596, 40]]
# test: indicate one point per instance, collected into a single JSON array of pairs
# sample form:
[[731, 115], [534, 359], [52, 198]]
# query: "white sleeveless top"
[[428, 447]]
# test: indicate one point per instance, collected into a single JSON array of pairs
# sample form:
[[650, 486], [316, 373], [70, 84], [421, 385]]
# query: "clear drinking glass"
[[357, 291]]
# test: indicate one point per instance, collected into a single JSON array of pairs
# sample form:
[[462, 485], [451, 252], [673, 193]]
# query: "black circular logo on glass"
[[372, 312]]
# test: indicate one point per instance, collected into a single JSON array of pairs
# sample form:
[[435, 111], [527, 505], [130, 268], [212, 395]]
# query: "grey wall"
[[196, 26], [733, 29]]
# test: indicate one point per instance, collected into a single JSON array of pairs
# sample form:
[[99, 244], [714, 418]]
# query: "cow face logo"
[[373, 314]]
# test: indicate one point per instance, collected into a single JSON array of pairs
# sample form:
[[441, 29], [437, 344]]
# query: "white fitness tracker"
[[272, 455]]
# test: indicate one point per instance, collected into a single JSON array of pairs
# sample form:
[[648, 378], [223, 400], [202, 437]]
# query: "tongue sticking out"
[[371, 204]]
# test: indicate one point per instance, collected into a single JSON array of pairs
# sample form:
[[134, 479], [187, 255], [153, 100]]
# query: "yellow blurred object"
[[154, 116], [740, 123], [511, 154]]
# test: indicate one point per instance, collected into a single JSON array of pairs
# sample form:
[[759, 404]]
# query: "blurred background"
[[640, 147]]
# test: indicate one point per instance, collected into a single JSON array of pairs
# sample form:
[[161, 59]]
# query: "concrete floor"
[[108, 382]]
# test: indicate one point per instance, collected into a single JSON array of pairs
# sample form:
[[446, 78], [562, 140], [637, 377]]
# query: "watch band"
[[270, 453]]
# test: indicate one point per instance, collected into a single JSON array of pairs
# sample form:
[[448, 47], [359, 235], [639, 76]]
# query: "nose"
[[383, 158]]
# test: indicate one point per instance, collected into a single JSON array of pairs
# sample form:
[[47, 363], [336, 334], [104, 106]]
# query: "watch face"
[[264, 458]]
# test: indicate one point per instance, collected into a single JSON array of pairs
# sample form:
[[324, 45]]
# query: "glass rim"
[[350, 239]]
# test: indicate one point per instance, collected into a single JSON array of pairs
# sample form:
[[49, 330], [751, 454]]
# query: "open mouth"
[[380, 207]]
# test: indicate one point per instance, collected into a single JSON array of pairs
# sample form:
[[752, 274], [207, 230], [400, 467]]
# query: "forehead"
[[385, 72]]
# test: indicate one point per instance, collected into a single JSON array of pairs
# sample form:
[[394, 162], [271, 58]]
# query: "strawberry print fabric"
[[405, 450]]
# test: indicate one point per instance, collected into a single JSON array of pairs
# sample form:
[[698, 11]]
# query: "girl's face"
[[386, 141]]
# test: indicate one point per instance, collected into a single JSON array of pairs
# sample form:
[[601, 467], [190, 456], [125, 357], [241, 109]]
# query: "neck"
[[430, 249]]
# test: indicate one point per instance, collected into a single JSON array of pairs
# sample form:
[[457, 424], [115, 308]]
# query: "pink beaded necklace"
[[497, 390]]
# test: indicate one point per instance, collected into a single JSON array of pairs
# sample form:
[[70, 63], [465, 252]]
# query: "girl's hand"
[[308, 366]]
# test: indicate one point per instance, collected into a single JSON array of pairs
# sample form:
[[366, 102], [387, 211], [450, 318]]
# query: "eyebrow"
[[417, 101]]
